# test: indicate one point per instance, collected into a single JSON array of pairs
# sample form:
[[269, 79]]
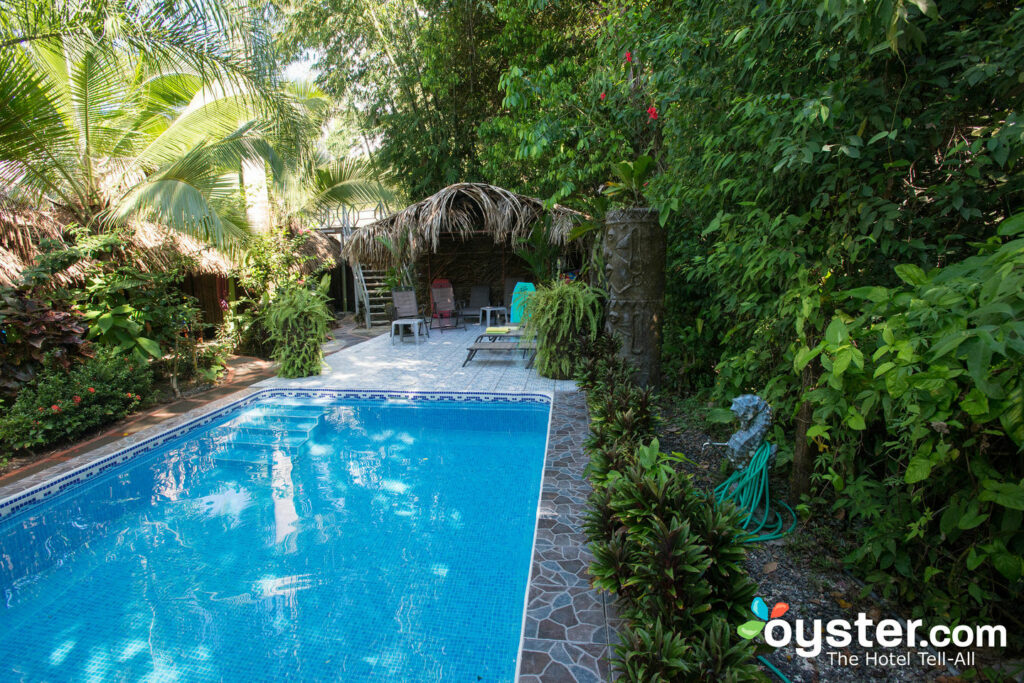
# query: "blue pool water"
[[326, 540]]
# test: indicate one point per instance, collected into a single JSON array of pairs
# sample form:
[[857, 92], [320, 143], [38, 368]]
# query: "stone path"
[[570, 627]]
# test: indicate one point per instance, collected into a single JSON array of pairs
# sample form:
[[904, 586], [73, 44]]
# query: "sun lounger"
[[509, 344]]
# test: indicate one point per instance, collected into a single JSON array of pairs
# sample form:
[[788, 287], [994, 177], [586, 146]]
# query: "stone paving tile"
[[568, 628]]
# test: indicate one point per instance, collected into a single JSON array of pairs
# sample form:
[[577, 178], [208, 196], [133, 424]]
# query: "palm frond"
[[344, 182], [204, 207], [213, 113]]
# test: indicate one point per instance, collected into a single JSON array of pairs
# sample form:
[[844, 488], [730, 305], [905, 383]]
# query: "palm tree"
[[313, 181], [138, 117], [153, 110]]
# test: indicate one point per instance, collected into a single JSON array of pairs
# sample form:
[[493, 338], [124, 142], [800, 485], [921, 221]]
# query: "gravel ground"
[[803, 570]]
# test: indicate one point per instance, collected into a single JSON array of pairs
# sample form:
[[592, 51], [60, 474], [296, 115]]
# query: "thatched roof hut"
[[463, 211], [155, 248]]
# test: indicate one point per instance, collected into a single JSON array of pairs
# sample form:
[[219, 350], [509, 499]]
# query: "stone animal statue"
[[755, 417]]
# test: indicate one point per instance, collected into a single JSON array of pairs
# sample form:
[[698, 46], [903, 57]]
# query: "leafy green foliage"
[[654, 654], [633, 177], [272, 260], [137, 312], [61, 403], [919, 408], [31, 330], [561, 315], [802, 150], [673, 558], [130, 109], [537, 250], [421, 77], [298, 319]]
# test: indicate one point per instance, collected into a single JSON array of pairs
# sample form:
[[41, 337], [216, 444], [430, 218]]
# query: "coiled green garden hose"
[[773, 669], [748, 488]]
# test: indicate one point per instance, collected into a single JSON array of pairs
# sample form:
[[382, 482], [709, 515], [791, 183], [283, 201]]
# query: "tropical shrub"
[[137, 312], [243, 330], [562, 315], [60, 403], [30, 330], [299, 319], [805, 149], [918, 408], [272, 260], [673, 558]]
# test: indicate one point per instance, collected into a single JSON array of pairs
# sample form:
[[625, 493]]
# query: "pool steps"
[[256, 436]]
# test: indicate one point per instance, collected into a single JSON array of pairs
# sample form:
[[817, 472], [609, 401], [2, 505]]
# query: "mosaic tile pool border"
[[23, 500]]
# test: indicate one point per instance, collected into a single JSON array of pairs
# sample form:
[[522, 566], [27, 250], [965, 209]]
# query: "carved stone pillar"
[[634, 263]]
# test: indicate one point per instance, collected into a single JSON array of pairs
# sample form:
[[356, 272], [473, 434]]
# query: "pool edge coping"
[[533, 541]]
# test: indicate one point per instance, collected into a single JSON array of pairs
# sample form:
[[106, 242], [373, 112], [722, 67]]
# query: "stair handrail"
[[347, 219]]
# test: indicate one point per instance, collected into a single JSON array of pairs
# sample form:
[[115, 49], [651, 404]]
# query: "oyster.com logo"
[[913, 636], [750, 629]]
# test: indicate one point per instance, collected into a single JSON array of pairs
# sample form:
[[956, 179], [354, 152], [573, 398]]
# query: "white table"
[[414, 323], [499, 312]]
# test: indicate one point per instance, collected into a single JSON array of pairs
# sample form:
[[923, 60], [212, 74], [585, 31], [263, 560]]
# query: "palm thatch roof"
[[153, 247], [461, 211]]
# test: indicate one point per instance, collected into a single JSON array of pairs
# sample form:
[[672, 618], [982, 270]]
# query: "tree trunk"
[[803, 457], [257, 194], [634, 265]]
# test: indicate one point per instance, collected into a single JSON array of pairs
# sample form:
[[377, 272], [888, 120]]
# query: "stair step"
[[233, 434], [268, 442], [232, 455], [289, 410], [276, 423]]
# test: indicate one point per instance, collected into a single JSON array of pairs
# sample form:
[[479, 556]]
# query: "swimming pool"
[[322, 536]]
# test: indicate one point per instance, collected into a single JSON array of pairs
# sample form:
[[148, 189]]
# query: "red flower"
[[55, 408], [91, 390], [652, 112], [76, 399], [40, 409], [629, 56], [129, 394], [602, 97]]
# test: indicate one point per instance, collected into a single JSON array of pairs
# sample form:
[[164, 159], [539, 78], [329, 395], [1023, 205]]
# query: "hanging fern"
[[561, 315], [298, 319]]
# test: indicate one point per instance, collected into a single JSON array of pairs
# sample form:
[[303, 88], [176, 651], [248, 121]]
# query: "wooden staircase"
[[376, 302]]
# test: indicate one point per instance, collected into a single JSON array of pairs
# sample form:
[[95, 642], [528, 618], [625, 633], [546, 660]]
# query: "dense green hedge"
[[61, 404], [842, 187], [673, 559]]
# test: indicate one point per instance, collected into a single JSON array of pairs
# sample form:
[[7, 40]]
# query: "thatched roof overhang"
[[458, 211], [154, 247]]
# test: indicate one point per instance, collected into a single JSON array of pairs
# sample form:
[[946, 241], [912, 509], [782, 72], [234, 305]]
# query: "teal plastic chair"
[[519, 296]]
